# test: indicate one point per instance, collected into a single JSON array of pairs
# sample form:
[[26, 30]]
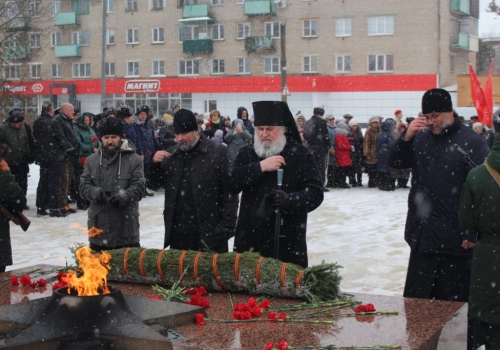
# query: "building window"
[[34, 40], [188, 32], [110, 5], [343, 64], [244, 65], [34, 9], [310, 29], [271, 65], [218, 66], [81, 7], [109, 69], [380, 63], [190, 2], [243, 30], [189, 67], [210, 105], [81, 38], [217, 31], [217, 2], [272, 29], [452, 64], [381, 25], [35, 70], [12, 71], [158, 35], [55, 39], [132, 5], [158, 68], [309, 64], [81, 70], [110, 37], [133, 68], [56, 70], [55, 8], [157, 5], [133, 36], [342, 27], [240, 2]]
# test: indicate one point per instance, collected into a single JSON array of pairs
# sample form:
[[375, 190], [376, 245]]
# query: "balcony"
[[197, 46], [63, 51], [254, 43], [464, 41], [260, 8], [16, 52], [66, 19], [193, 11], [461, 7]]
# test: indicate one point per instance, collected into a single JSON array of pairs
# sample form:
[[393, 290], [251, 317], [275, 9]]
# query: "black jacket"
[[49, 141], [215, 208], [439, 174], [316, 134], [300, 182], [68, 128]]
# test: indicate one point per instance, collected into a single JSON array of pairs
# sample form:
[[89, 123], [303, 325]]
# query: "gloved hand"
[[104, 196], [114, 200], [279, 199]]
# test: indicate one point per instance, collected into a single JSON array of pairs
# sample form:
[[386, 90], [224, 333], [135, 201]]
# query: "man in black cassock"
[[276, 145]]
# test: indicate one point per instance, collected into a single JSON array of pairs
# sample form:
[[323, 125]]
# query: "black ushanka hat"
[[111, 126], [184, 121], [436, 101]]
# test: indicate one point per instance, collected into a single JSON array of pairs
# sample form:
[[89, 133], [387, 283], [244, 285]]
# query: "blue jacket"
[[439, 174], [385, 139], [143, 138]]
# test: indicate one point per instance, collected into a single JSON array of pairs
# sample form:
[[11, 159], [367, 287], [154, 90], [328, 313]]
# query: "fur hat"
[[15, 115], [112, 126], [111, 111], [373, 119], [143, 108], [436, 101], [124, 112], [352, 122], [184, 121]]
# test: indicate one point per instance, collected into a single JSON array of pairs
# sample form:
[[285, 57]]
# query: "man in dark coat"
[[318, 140], [198, 203], [441, 252], [276, 145], [65, 118], [479, 207], [12, 198], [17, 135], [50, 149]]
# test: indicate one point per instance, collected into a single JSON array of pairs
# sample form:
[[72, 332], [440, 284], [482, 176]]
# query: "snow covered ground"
[[360, 228]]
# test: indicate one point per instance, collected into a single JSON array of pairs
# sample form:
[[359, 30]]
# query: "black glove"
[[114, 200], [104, 196], [279, 199]]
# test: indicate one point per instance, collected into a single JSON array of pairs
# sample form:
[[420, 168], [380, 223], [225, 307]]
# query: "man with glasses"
[[441, 253]]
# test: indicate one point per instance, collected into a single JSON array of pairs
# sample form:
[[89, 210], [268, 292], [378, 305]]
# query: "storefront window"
[[158, 103]]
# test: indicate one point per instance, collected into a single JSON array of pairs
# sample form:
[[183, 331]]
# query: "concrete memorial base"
[[419, 323]]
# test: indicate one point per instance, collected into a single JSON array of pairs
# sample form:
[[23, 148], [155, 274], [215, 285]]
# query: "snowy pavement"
[[361, 229]]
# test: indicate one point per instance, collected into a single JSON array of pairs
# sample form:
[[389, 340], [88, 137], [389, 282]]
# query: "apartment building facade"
[[349, 56]]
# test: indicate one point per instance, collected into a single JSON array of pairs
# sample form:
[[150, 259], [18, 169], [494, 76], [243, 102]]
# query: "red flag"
[[477, 95], [488, 95]]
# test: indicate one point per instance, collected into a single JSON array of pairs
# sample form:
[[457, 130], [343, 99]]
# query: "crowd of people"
[[257, 179]]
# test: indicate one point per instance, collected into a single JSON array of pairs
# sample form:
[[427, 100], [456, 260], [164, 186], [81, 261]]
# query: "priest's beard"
[[265, 150]]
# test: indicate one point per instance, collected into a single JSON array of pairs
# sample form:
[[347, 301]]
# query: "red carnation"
[[60, 276], [365, 308], [32, 284], [14, 280], [282, 316], [241, 307], [204, 303], [283, 345], [41, 283], [256, 311], [252, 302], [272, 316], [156, 297], [265, 304], [94, 139], [25, 280], [269, 346], [200, 319], [201, 291], [59, 285]]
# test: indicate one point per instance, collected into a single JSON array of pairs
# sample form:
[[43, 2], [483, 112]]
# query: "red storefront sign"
[[417, 82]]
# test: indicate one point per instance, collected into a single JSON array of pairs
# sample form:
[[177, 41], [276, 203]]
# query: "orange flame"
[[92, 232], [95, 271]]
